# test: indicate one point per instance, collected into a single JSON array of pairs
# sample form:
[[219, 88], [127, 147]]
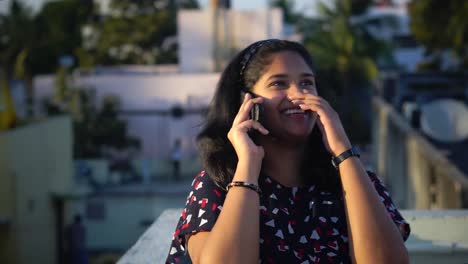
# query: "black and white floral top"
[[297, 225]]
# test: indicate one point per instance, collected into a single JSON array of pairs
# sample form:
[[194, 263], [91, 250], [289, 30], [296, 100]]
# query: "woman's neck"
[[282, 162]]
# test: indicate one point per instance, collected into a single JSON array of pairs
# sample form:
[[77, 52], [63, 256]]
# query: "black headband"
[[251, 52]]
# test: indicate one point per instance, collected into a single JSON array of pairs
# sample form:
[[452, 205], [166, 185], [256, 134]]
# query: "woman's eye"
[[307, 83], [278, 84]]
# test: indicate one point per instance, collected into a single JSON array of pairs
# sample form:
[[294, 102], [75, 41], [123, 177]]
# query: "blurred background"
[[101, 100]]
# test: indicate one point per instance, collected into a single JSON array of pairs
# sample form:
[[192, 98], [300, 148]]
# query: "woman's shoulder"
[[203, 178], [204, 184]]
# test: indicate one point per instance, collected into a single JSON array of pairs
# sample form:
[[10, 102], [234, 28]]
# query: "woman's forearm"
[[373, 236], [235, 236]]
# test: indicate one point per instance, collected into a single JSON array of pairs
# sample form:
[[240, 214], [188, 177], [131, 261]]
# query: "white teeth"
[[294, 111]]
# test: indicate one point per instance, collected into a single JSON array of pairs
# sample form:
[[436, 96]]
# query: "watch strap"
[[352, 152]]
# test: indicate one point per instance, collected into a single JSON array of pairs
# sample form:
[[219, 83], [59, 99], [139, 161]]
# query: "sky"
[[306, 5], [254, 4]]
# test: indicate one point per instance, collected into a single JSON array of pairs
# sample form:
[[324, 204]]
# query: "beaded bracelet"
[[244, 184]]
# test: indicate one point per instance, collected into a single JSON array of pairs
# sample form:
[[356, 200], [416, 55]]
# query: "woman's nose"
[[295, 90]]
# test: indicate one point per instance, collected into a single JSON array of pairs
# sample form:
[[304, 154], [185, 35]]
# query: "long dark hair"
[[217, 153]]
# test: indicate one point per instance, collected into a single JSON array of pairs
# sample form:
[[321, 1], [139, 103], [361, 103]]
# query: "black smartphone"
[[256, 113]]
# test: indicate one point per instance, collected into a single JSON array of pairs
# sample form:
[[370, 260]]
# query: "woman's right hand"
[[245, 148]]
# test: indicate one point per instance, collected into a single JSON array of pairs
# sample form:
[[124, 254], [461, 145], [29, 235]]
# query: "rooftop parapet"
[[437, 236]]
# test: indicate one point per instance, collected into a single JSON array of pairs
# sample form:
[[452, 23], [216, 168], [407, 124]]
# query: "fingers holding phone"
[[247, 104], [243, 123]]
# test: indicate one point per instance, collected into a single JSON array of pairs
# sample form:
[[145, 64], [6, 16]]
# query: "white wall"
[[195, 38], [125, 213], [196, 33], [254, 25], [150, 92], [38, 158]]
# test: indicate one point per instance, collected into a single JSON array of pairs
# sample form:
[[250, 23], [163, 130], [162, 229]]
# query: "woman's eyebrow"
[[281, 75], [307, 74]]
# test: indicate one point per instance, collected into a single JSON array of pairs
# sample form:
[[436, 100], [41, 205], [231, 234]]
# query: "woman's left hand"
[[333, 134]]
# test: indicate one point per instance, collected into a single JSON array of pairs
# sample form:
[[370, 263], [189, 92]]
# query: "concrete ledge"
[[153, 245], [438, 236]]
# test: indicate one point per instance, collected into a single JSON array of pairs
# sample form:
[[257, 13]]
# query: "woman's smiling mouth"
[[296, 113]]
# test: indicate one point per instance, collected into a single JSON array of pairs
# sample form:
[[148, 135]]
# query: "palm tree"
[[441, 27], [346, 54], [17, 33]]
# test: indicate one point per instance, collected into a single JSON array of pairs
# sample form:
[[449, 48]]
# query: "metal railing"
[[418, 175]]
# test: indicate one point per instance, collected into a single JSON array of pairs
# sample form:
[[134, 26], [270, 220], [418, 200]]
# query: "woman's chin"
[[293, 136], [300, 131], [299, 137]]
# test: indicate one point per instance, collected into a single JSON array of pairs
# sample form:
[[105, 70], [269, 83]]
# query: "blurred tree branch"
[[346, 55], [95, 129], [441, 26], [135, 32]]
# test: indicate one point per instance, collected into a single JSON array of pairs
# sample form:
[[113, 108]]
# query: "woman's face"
[[287, 75]]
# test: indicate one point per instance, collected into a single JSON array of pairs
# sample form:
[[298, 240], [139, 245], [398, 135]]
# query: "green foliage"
[[345, 45], [133, 40], [58, 27], [99, 130], [16, 38], [136, 32], [38, 41], [17, 45], [441, 26], [31, 44], [95, 129], [345, 53], [290, 16], [359, 7]]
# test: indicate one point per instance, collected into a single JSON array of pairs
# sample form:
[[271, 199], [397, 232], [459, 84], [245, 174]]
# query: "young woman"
[[269, 192]]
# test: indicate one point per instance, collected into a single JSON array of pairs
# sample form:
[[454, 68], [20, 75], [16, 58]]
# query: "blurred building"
[[41, 187], [394, 26], [146, 100], [207, 39], [149, 97], [432, 110], [36, 169], [419, 129]]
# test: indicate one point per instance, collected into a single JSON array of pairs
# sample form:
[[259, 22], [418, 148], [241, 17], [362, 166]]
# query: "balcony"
[[437, 237]]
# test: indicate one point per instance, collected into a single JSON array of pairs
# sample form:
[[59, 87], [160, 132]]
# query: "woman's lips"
[[297, 116], [296, 113]]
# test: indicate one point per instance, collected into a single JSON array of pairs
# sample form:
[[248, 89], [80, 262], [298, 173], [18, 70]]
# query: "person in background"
[[75, 241], [287, 187], [176, 156]]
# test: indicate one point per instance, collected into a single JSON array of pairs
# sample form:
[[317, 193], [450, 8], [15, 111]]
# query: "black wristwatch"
[[352, 152]]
